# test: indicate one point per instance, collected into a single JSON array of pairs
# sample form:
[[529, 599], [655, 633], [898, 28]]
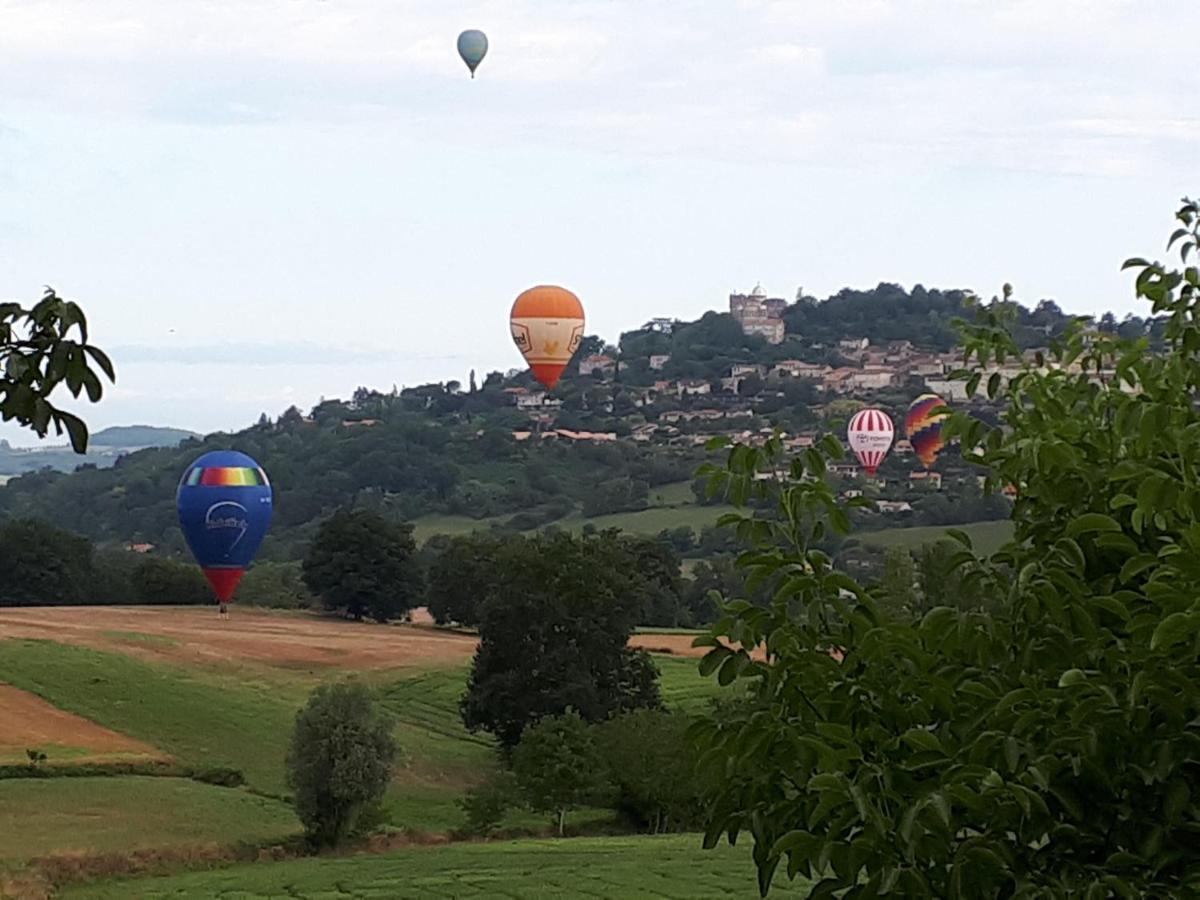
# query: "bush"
[[340, 760], [486, 804], [167, 581], [557, 766]]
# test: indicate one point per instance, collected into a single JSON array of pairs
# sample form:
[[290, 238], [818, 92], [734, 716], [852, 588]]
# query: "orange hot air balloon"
[[547, 327]]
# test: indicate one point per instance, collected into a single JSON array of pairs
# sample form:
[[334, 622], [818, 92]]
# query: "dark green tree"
[[557, 766], [554, 632], [1045, 745], [459, 577], [340, 760], [362, 565], [41, 565], [651, 763], [168, 581]]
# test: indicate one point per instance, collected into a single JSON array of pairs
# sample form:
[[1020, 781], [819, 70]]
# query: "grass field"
[[987, 537], [43, 815], [671, 867], [200, 718]]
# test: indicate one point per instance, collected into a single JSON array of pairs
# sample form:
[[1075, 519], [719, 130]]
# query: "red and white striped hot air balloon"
[[870, 433]]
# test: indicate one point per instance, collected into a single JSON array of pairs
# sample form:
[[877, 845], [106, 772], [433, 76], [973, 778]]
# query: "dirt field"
[[29, 722], [196, 635]]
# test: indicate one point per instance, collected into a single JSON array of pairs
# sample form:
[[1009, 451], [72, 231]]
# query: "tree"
[[1046, 745], [362, 564], [554, 633], [458, 578], [340, 760], [651, 763], [557, 766], [43, 565], [167, 581], [37, 355], [898, 587]]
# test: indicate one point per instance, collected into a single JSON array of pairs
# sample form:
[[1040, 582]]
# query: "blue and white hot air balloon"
[[472, 47]]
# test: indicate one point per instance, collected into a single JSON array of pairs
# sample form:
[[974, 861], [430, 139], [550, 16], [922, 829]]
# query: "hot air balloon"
[[547, 327], [224, 502], [472, 47], [925, 430], [870, 434]]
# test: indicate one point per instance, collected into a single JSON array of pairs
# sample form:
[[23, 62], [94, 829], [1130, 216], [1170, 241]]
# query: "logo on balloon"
[[224, 515]]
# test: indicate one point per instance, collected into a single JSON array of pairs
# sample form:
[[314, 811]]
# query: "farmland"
[[178, 687], [660, 867]]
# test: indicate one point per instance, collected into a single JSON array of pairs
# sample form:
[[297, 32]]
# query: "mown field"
[[673, 867], [987, 537], [200, 710]]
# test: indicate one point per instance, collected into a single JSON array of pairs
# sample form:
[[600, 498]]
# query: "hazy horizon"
[[296, 198]]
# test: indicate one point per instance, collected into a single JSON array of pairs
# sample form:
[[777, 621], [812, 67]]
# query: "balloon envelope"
[[547, 327], [472, 47], [224, 503], [870, 434], [924, 429]]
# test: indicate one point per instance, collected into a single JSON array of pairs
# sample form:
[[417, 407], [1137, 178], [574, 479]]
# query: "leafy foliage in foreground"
[[1050, 747], [37, 355]]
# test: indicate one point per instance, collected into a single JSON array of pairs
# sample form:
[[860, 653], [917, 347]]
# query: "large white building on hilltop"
[[759, 314]]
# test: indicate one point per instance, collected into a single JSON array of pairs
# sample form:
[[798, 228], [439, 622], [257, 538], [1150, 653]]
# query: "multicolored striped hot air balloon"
[[924, 430], [547, 327], [870, 436], [224, 502]]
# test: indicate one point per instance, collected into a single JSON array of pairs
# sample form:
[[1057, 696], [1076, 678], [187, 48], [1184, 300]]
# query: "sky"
[[264, 202]]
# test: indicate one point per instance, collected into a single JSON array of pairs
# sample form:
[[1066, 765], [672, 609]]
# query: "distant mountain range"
[[104, 448]]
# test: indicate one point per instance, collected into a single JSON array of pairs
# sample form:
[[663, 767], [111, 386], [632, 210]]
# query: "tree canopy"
[[1045, 742]]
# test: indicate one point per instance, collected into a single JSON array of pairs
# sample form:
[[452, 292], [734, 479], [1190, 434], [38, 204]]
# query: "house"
[[794, 368], [741, 370], [799, 441], [530, 399], [854, 345], [893, 506], [693, 387], [839, 379], [643, 432], [946, 389], [872, 378], [851, 494], [921, 477], [658, 360], [597, 362], [595, 437], [663, 387], [359, 423], [139, 548], [843, 470]]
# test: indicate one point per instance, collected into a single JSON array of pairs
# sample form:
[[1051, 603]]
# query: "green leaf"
[[923, 741], [1092, 522], [1072, 677], [1174, 629]]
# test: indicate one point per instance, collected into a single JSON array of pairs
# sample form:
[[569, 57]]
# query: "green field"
[[987, 537], [672, 867], [44, 815]]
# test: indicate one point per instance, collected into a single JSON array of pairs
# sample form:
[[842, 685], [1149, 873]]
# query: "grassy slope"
[[200, 718], [661, 867], [208, 719], [39, 816], [986, 536]]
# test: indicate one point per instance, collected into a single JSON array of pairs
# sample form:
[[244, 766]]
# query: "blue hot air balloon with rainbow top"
[[224, 502]]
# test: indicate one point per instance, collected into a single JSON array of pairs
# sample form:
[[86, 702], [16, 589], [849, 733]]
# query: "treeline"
[[41, 565], [403, 466]]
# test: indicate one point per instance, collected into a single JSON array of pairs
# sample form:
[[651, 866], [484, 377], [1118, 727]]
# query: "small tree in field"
[[362, 564], [558, 767], [340, 760]]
